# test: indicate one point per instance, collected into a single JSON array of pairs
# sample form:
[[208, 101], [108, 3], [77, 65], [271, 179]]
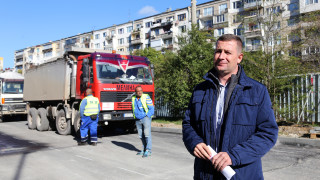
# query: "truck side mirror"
[[152, 70], [85, 71]]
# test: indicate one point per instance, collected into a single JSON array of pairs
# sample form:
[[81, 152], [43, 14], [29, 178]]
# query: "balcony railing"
[[252, 5], [110, 37], [166, 35], [136, 41], [254, 47], [218, 25], [46, 47], [19, 53], [253, 33]]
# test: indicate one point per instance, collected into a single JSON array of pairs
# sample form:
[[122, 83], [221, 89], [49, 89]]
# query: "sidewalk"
[[281, 139]]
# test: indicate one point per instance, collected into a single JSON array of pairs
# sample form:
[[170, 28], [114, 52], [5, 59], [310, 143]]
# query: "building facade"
[[262, 24]]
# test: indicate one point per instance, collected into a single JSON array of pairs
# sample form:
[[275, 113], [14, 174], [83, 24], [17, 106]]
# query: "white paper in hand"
[[228, 172]]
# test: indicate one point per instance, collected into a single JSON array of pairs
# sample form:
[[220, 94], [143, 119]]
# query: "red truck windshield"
[[136, 74]]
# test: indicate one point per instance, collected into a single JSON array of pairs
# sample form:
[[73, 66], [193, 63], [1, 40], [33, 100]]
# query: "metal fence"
[[301, 102], [164, 110]]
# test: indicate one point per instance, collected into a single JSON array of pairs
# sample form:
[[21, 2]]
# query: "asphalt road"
[[30, 154]]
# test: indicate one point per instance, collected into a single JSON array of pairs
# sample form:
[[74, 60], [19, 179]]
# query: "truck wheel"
[[63, 124], [132, 127], [42, 120], [32, 118], [76, 124]]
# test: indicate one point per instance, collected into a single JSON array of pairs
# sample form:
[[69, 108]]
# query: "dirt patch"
[[295, 131], [167, 125], [287, 129]]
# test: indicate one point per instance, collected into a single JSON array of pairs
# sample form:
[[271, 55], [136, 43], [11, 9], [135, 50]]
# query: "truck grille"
[[118, 96]]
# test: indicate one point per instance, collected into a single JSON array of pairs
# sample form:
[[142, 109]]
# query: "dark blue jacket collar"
[[212, 76]]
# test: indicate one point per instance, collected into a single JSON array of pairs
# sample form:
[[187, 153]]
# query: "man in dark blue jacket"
[[233, 114]]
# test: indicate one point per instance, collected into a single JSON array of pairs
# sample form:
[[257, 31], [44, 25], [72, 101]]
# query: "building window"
[[97, 36], [121, 41], [148, 24], [138, 26], [97, 45], [273, 10], [220, 18], [221, 32], [128, 39], [293, 7], [237, 32], [198, 13], [222, 8], [104, 34], [208, 11], [208, 24], [129, 29], [113, 32], [120, 31], [235, 18], [121, 49], [253, 13], [182, 29], [158, 21], [237, 4], [104, 43], [311, 2], [182, 17], [47, 54], [277, 25], [157, 32], [292, 21], [170, 18]]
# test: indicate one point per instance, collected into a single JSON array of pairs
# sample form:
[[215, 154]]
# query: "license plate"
[[128, 115]]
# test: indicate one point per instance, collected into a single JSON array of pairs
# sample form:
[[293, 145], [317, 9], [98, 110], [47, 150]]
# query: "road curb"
[[166, 130], [281, 139], [299, 141]]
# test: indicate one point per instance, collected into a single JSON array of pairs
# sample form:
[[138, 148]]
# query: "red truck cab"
[[113, 79]]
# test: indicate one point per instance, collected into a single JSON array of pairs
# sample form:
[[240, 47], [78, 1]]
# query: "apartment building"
[[249, 19]]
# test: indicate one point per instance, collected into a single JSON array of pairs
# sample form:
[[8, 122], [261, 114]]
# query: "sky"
[[25, 23]]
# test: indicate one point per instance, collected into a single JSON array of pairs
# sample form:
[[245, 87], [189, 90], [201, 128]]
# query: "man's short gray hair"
[[231, 37]]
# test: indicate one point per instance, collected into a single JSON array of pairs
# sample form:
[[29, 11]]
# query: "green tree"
[[182, 71]]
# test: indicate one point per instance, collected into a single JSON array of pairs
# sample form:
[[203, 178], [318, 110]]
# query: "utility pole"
[[193, 11]]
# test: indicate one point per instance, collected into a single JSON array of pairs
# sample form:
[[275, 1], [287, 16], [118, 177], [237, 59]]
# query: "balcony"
[[224, 11], [157, 25], [220, 25], [207, 28], [136, 41], [18, 63], [47, 47], [253, 33], [110, 37], [136, 31], [252, 5], [206, 17], [256, 47], [19, 54], [166, 35], [168, 46], [108, 46]]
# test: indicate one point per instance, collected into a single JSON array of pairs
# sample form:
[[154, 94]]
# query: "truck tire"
[[32, 118], [76, 124], [42, 120], [63, 124]]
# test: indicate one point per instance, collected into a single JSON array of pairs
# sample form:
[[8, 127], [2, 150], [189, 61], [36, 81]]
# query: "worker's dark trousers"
[[88, 124]]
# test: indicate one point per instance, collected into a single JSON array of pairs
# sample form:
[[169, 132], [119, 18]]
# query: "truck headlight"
[[106, 116]]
